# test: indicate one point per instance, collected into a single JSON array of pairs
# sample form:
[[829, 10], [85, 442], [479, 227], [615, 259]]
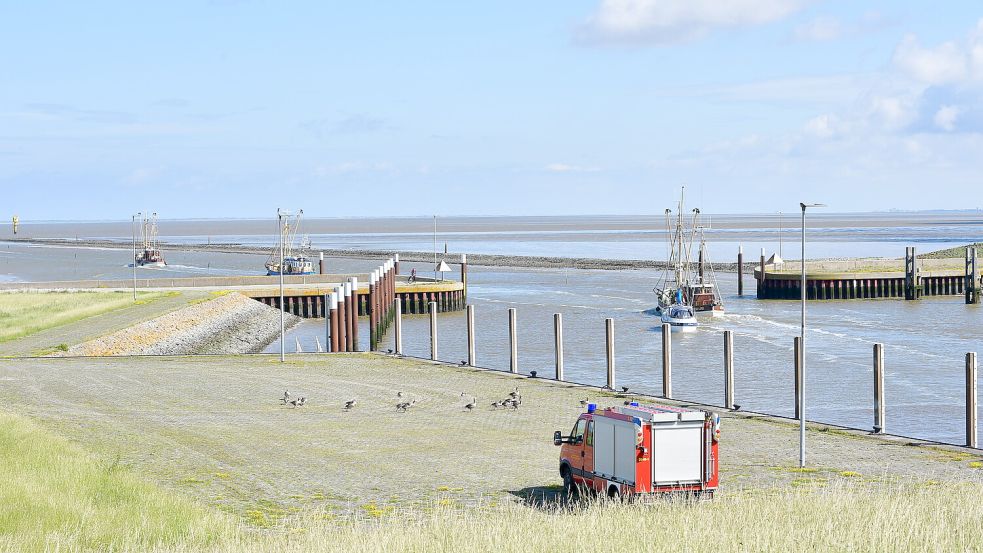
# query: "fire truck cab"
[[620, 451]]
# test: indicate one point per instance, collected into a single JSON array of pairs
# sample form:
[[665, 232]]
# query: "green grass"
[[55, 496], [52, 493], [25, 313], [950, 253]]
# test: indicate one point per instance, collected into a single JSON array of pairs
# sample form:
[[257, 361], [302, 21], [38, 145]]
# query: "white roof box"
[[661, 413]]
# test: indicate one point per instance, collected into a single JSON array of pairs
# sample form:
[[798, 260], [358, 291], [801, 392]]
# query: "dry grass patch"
[[24, 313]]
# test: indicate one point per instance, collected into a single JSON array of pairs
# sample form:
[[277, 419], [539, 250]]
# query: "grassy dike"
[[24, 313], [53, 494]]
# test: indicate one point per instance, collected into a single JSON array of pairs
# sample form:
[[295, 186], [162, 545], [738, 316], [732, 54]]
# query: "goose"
[[301, 401], [497, 404], [350, 403], [584, 402], [399, 394], [514, 393], [286, 397], [474, 403]]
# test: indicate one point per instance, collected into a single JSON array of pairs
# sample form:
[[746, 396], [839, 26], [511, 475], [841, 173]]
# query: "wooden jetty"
[[871, 279]]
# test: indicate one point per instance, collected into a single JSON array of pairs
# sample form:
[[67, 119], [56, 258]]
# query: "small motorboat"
[[679, 317]]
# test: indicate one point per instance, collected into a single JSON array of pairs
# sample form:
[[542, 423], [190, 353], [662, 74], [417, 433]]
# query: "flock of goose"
[[513, 401]]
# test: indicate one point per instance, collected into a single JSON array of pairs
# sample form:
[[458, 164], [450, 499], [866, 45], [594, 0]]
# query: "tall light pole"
[[133, 229], [280, 214], [802, 344], [435, 247]]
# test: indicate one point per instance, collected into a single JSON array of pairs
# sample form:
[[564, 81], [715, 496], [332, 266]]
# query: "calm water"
[[925, 341]]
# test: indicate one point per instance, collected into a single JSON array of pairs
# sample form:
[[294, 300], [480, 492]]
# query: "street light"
[[133, 229], [280, 214], [802, 344]]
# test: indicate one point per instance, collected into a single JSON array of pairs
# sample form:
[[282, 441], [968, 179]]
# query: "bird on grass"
[[293, 402], [497, 404], [403, 406], [584, 402], [399, 394], [350, 404], [514, 393], [470, 406], [285, 398], [301, 401]]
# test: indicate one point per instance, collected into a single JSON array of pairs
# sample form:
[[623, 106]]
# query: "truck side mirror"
[[557, 438]]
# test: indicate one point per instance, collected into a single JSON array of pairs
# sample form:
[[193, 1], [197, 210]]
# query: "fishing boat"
[[293, 264], [149, 254], [682, 292]]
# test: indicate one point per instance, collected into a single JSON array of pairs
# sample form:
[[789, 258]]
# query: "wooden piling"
[[761, 277], [471, 344], [740, 270], [396, 264], [327, 321], [433, 331], [349, 317], [728, 369], [372, 311], [513, 344], [609, 346], [334, 322], [558, 344], [321, 264], [464, 274], [666, 361], [972, 285], [879, 405], [398, 325], [971, 397], [355, 297], [797, 353], [342, 316]]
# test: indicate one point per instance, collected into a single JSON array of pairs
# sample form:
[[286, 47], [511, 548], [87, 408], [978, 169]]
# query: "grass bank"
[[53, 495], [24, 313]]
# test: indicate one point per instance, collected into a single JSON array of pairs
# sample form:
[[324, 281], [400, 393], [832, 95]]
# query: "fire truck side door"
[[577, 441], [589, 448]]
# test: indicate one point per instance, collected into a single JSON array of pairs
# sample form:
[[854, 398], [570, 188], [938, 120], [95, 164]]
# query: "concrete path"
[[97, 325], [214, 427]]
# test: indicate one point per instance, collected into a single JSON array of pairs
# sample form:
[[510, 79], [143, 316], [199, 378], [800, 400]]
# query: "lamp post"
[[133, 229], [280, 214], [802, 344], [435, 247]]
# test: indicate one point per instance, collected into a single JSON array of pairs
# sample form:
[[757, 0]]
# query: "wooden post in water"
[[464, 275], [666, 361], [351, 317], [334, 322], [609, 342], [373, 314], [740, 270], [327, 322], [433, 331], [911, 274], [398, 326], [761, 277], [342, 315], [558, 344], [971, 435], [354, 307], [972, 287], [513, 344], [471, 344], [879, 406], [797, 352], [728, 369]]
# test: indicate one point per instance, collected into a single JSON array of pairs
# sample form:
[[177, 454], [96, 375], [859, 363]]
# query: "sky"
[[229, 108]]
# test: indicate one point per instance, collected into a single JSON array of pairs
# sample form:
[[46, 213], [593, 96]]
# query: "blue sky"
[[231, 108]]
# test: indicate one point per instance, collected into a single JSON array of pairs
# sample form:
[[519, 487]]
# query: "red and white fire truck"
[[633, 449]]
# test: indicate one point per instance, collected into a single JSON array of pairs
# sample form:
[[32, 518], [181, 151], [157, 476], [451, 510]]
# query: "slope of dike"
[[229, 323]]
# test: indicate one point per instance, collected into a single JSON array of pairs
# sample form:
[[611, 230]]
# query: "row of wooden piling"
[[341, 318], [382, 293], [879, 403], [910, 286]]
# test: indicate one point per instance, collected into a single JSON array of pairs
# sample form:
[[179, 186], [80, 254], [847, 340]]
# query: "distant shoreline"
[[489, 260]]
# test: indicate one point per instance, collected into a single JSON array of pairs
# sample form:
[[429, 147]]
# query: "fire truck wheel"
[[570, 489]]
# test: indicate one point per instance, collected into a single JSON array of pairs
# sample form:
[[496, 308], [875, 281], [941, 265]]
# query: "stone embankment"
[[230, 323]]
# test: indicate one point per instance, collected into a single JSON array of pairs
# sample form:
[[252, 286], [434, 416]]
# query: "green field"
[[54, 496], [25, 313]]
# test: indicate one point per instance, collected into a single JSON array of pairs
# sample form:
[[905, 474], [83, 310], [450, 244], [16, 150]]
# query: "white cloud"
[[892, 112], [823, 126], [668, 21], [566, 168], [945, 118], [820, 29], [944, 64]]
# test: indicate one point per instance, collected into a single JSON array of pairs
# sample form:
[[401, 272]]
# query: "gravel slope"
[[230, 323]]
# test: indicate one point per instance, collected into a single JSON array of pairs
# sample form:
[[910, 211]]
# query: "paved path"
[[97, 325], [213, 426]]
